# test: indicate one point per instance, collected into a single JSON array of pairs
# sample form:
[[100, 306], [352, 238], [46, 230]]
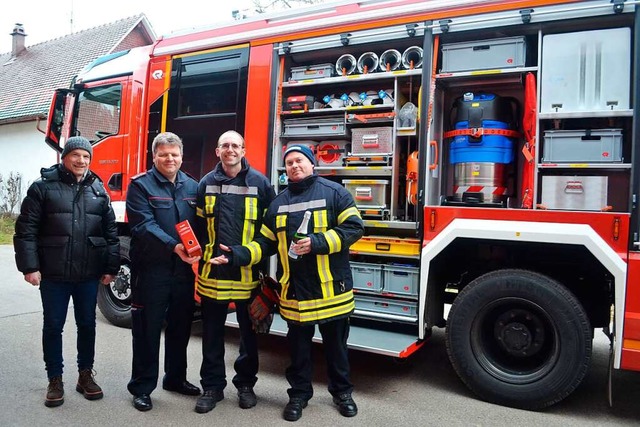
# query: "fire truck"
[[489, 147]]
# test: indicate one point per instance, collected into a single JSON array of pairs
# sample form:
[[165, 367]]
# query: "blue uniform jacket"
[[154, 206]]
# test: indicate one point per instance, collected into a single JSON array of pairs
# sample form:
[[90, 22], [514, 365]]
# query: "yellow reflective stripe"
[[225, 289], [327, 290], [333, 241], [324, 272], [209, 204], [352, 211], [283, 256], [317, 304], [248, 230], [266, 232], [209, 249], [281, 221], [255, 251], [250, 210], [315, 310], [226, 284], [200, 212], [320, 222]]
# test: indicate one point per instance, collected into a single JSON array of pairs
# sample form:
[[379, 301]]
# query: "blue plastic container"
[[486, 149]]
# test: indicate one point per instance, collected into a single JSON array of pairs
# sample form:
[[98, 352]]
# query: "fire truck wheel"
[[114, 300], [519, 338]]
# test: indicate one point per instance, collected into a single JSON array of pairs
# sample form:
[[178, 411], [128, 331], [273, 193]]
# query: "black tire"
[[519, 338], [114, 300]]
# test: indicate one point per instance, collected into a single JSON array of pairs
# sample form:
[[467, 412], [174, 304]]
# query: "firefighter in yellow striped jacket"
[[231, 201], [317, 286]]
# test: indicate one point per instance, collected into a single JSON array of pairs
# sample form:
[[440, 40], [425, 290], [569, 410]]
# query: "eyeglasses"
[[233, 146]]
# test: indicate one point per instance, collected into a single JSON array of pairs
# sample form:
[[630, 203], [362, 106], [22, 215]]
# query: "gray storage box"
[[306, 72], [371, 141], [586, 71], [367, 277], [387, 306], [308, 127], [580, 146], [578, 193], [368, 193], [508, 52], [400, 279]]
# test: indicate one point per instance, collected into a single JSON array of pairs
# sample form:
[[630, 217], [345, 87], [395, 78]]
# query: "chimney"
[[17, 45]]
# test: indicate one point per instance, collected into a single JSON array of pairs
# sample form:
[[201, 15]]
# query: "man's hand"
[[107, 278], [184, 256], [34, 278], [302, 246], [221, 259]]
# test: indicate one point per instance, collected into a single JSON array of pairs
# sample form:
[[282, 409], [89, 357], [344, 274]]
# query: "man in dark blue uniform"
[[162, 276]]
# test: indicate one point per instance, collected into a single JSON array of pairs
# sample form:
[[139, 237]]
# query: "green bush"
[[7, 227]]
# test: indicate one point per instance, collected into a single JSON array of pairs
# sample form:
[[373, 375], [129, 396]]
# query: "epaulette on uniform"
[[141, 174]]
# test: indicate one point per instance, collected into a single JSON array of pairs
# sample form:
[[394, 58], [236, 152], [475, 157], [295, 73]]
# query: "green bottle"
[[301, 233]]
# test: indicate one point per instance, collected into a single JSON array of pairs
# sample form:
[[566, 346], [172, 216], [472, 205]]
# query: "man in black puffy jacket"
[[66, 242]]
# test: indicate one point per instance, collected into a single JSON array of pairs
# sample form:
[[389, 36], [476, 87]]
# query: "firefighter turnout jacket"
[[317, 287], [230, 212]]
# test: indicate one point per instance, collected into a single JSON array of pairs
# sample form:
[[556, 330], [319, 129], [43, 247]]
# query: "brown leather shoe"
[[55, 393], [87, 385]]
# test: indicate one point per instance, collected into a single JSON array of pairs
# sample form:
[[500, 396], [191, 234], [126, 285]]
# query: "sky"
[[49, 19]]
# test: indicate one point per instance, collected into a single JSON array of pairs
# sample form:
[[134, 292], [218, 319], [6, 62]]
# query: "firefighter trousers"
[[212, 371], [334, 341]]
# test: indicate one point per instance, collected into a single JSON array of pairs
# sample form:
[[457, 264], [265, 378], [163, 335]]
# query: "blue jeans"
[[55, 304]]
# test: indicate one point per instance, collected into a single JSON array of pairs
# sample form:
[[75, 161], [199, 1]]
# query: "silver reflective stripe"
[[297, 207], [232, 189]]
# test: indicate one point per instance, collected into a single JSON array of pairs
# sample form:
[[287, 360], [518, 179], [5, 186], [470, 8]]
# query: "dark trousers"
[[157, 299], [55, 304], [212, 371], [334, 341]]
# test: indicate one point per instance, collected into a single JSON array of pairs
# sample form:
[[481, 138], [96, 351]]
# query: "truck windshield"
[[98, 112]]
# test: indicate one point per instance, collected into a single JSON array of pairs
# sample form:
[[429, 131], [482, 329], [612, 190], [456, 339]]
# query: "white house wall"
[[24, 151]]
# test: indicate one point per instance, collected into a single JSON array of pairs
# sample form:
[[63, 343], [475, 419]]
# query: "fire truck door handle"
[[434, 144]]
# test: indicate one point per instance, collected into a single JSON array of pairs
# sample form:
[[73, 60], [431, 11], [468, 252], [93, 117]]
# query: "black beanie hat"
[[77, 142]]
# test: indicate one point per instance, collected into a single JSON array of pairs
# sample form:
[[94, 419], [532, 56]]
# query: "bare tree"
[[263, 6], [10, 193]]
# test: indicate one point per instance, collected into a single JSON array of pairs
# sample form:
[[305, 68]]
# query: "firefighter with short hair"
[[232, 199]]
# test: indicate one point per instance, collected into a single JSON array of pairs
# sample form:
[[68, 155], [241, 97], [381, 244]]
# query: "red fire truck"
[[489, 146]]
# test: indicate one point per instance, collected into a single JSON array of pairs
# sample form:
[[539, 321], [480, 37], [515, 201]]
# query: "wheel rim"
[[120, 289], [515, 340]]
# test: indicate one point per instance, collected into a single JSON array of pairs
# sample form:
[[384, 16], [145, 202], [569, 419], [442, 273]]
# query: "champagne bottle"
[[301, 233]]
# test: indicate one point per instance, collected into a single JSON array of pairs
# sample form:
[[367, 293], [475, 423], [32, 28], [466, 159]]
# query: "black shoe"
[[208, 400], [246, 397], [293, 410], [142, 402], [185, 387], [346, 405]]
